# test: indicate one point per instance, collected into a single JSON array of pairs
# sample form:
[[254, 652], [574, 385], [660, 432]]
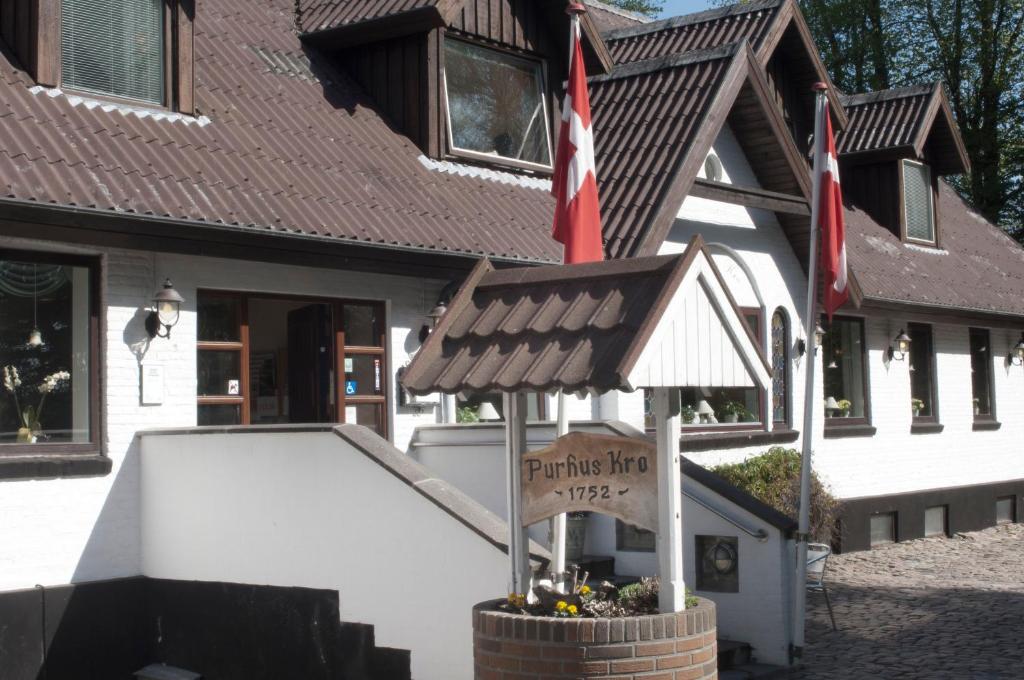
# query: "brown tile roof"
[[978, 267], [322, 15], [608, 17], [568, 327], [904, 118], [284, 147], [751, 21], [646, 118]]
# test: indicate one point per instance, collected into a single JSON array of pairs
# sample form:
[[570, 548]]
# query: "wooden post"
[[558, 521], [515, 447], [672, 594]]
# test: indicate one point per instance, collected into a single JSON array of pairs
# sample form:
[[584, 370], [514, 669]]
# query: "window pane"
[[364, 375], [1006, 510], [917, 195], [935, 521], [843, 355], [363, 325], [883, 528], [218, 318], [45, 392], [368, 415], [114, 47], [921, 359], [220, 373], [495, 103], [728, 405], [780, 367], [981, 372], [219, 414]]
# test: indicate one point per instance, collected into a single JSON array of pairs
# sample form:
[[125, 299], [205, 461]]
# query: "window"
[[936, 522], [629, 538], [918, 211], [1006, 510], [844, 357], [780, 367], [883, 528], [981, 374], [922, 373], [264, 359], [49, 399], [496, 106], [114, 47]]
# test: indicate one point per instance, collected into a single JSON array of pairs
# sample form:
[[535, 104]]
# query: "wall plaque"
[[617, 476]]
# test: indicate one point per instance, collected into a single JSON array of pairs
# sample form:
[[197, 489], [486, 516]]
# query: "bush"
[[774, 478]]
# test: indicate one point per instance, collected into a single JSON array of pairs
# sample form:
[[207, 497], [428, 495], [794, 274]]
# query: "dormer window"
[[496, 107], [114, 47], [918, 203]]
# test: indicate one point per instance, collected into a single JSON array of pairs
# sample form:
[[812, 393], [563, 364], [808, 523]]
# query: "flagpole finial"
[[575, 8], [819, 87]]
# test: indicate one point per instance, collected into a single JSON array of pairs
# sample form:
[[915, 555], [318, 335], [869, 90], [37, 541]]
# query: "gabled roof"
[[654, 123], [765, 24], [344, 23], [609, 17], [978, 269], [906, 120], [283, 146], [586, 327]]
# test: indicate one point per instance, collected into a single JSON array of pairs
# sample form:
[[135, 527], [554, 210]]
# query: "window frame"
[[839, 423], [95, 266], [178, 58], [990, 373], [932, 367], [496, 160], [341, 351], [933, 212]]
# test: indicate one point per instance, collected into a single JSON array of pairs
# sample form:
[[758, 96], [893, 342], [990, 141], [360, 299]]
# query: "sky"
[[676, 7]]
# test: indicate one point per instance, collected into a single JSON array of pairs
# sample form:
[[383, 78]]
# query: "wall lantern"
[[166, 307], [723, 558], [901, 345], [1016, 356], [433, 317]]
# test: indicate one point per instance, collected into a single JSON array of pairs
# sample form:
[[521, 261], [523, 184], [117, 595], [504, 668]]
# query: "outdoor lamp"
[[433, 317], [819, 336], [488, 412], [704, 410], [723, 557], [166, 307], [901, 345], [1016, 357]]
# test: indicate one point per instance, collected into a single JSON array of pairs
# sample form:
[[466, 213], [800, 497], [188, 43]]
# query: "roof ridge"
[[691, 19], [642, 66], [612, 9], [861, 98]]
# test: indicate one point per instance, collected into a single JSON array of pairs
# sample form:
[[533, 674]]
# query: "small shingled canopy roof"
[[665, 321]]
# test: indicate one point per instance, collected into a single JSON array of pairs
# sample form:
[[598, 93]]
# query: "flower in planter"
[[844, 407], [917, 405], [573, 611], [585, 590]]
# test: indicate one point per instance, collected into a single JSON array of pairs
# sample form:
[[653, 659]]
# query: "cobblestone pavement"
[[933, 608]]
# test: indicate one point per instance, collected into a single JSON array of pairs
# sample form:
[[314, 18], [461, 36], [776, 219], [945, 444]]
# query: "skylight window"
[[496, 105]]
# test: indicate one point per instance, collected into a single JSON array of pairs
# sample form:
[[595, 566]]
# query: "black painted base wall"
[[971, 508], [107, 630]]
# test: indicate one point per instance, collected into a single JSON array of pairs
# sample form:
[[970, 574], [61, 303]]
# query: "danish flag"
[[830, 220], [577, 224]]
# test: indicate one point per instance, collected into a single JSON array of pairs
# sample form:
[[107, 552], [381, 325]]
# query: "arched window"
[[780, 366]]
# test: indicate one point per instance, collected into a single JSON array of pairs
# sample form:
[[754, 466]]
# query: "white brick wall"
[[67, 530]]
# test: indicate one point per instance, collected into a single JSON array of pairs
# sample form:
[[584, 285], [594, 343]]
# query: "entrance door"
[[310, 365]]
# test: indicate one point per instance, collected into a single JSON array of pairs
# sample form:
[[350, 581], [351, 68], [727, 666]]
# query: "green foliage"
[[642, 596], [467, 414], [649, 8], [774, 478]]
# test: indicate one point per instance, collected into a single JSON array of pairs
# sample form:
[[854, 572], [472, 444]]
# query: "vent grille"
[[917, 200], [114, 47]]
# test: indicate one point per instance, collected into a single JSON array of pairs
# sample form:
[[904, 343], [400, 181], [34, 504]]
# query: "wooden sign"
[[617, 476]]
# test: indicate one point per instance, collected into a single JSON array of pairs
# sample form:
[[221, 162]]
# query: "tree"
[[651, 8]]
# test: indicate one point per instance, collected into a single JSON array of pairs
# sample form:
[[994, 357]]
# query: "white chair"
[[817, 560]]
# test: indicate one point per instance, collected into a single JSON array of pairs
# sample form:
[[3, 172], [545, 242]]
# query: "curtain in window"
[[114, 47]]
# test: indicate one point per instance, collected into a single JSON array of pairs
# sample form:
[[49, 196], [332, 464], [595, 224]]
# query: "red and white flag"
[[833, 229], [577, 224]]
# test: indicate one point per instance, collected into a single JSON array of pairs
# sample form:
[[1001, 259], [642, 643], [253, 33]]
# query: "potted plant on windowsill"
[[732, 411], [689, 415], [917, 405], [30, 417], [844, 407], [977, 406]]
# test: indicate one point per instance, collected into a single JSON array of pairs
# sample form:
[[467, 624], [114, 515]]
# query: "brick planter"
[[658, 647]]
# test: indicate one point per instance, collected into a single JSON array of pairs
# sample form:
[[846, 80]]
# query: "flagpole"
[[558, 522], [803, 527]]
